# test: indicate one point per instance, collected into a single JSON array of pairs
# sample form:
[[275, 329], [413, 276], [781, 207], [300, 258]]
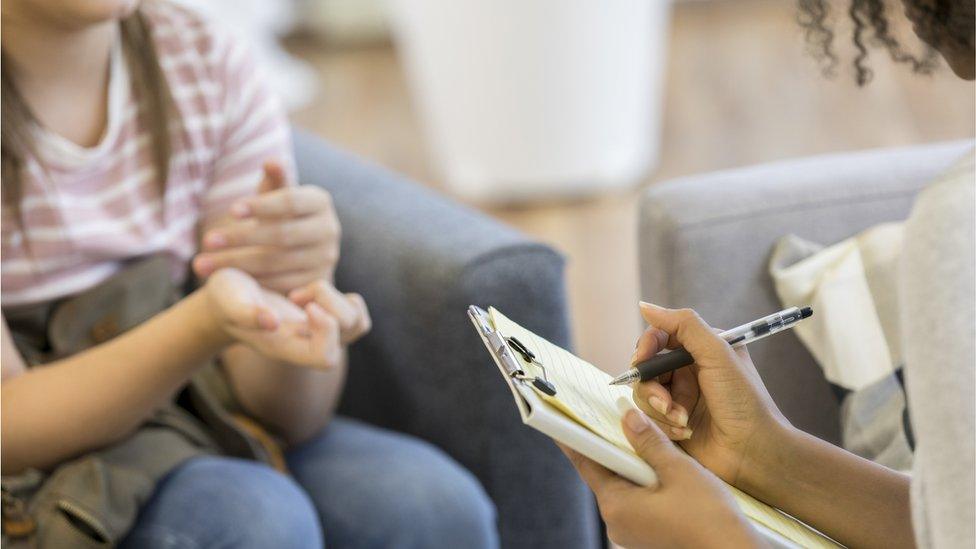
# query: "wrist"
[[768, 457], [205, 320]]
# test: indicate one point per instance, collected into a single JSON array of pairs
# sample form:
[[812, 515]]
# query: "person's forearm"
[[855, 501], [295, 402], [98, 396]]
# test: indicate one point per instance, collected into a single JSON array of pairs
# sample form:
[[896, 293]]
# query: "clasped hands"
[[269, 273]]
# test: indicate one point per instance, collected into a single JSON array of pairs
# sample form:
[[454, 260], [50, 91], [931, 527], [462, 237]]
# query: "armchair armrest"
[[419, 260], [705, 243]]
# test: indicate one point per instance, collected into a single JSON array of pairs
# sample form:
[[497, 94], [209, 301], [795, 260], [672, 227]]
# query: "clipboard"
[[540, 415], [546, 418]]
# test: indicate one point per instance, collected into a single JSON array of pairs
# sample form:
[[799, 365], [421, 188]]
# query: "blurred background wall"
[[673, 89]]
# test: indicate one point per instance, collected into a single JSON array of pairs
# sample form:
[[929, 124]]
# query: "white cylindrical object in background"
[[536, 99]]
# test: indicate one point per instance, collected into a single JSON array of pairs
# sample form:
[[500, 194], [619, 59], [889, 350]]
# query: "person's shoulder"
[[948, 201], [185, 37], [938, 246]]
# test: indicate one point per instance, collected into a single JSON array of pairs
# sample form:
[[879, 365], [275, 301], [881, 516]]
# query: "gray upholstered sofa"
[[420, 260], [705, 243]]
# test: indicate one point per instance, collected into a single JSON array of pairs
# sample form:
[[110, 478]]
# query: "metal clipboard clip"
[[505, 349]]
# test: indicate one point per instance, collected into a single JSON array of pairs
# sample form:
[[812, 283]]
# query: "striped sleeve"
[[255, 130]]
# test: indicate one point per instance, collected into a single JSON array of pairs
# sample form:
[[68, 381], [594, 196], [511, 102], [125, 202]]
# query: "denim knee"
[[376, 488], [218, 501], [456, 507], [439, 504]]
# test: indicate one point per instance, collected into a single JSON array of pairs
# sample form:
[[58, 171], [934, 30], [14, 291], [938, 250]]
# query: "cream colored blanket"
[[854, 333]]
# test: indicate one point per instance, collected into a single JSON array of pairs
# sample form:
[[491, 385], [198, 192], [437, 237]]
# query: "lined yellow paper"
[[584, 394]]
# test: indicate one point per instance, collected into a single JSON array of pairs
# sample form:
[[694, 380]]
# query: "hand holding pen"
[[719, 413], [736, 337], [721, 397]]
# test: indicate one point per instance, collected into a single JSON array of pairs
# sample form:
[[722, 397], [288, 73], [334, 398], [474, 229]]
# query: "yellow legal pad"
[[584, 395]]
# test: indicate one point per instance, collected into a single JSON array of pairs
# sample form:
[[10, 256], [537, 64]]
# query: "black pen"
[[736, 337]]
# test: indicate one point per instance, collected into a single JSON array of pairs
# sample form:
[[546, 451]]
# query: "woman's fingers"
[[657, 402], [650, 343], [649, 442], [674, 431], [684, 394], [652, 394], [669, 399], [687, 329]]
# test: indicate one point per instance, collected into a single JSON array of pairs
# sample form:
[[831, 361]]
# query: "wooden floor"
[[740, 90]]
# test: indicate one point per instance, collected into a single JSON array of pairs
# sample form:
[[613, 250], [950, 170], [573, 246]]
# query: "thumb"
[[274, 177], [650, 443]]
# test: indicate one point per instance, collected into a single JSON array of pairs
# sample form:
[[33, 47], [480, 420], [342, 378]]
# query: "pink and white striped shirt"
[[90, 210]]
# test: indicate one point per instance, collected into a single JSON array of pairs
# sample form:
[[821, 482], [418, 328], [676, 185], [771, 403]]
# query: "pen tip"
[[806, 312]]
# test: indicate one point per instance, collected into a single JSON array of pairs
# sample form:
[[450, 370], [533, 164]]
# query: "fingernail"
[[204, 265], [215, 240], [681, 433], [267, 320], [679, 416], [637, 421], [240, 209], [658, 404]]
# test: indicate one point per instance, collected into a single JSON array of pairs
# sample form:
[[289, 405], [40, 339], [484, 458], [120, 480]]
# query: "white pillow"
[[854, 333]]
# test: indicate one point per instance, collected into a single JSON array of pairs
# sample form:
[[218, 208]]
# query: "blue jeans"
[[353, 486]]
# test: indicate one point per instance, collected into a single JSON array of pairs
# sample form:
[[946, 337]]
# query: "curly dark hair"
[[942, 20]]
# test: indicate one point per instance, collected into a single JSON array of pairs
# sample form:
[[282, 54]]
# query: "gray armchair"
[[705, 243], [419, 260]]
